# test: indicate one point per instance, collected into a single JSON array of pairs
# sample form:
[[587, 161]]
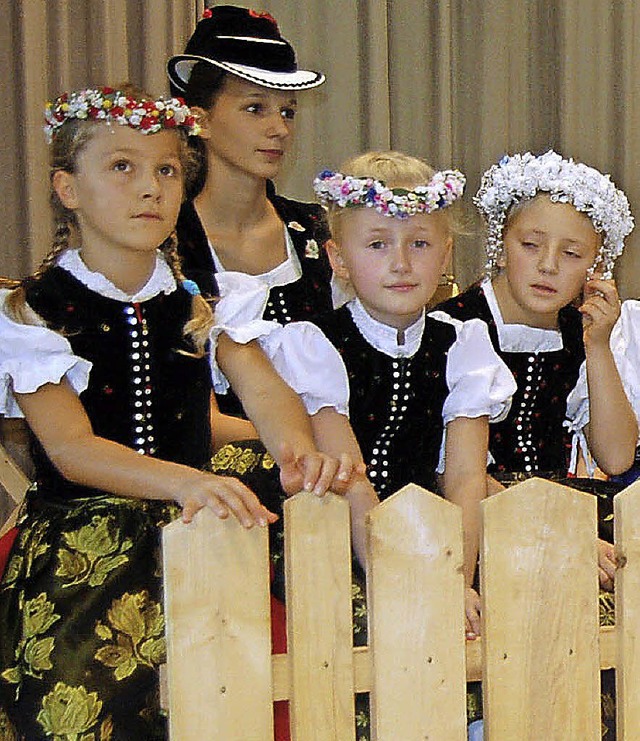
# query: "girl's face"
[[394, 265], [126, 192], [548, 249], [248, 128]]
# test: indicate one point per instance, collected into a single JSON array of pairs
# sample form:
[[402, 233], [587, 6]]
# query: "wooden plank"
[[415, 593], [216, 576], [627, 538], [363, 670], [540, 595], [319, 628]]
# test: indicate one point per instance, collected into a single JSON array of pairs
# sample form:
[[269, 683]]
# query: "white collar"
[[161, 280], [383, 337], [287, 272], [520, 337]]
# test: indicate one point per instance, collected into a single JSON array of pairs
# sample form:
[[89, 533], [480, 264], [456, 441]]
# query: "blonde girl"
[[105, 352]]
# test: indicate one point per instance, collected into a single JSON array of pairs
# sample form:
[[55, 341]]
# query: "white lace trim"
[[161, 280], [287, 272], [383, 337]]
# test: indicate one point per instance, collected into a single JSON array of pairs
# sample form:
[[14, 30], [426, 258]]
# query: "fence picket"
[[539, 656], [218, 630], [415, 593], [540, 594], [627, 538], [319, 626]]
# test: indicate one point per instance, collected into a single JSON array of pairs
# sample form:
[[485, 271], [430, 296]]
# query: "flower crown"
[[346, 191], [520, 177], [107, 104]]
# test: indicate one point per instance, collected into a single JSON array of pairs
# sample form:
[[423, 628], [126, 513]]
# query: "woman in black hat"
[[240, 76]]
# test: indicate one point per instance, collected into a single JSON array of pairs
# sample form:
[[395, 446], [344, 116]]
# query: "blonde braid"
[[198, 328], [16, 304]]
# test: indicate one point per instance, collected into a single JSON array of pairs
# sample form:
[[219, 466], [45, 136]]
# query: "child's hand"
[[472, 613], [600, 310], [225, 496], [316, 472], [606, 565]]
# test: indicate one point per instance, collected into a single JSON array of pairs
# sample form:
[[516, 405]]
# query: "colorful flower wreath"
[[107, 104], [346, 191], [522, 176]]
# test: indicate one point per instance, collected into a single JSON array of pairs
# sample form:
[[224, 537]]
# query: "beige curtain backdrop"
[[458, 82]]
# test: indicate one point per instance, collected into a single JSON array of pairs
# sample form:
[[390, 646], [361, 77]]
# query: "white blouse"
[[299, 351], [31, 356], [625, 346]]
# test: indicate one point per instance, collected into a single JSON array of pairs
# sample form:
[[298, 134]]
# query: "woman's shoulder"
[[306, 219]]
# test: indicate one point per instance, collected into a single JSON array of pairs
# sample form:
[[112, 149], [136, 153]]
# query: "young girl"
[[240, 77], [553, 225], [422, 388], [555, 229], [104, 351]]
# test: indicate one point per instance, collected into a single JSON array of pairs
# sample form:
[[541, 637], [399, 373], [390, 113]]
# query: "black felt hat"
[[245, 43]]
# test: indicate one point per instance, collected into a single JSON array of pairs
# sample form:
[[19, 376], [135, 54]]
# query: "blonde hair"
[[68, 143], [395, 170]]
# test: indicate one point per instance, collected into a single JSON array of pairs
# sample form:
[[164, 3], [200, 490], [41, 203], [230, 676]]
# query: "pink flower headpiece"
[[346, 191]]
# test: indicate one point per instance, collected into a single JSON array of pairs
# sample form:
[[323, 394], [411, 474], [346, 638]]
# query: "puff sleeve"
[[479, 382], [625, 346], [300, 352], [30, 357]]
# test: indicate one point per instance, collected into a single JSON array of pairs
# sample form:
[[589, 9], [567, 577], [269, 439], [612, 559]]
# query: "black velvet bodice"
[[146, 390], [532, 438], [297, 301], [395, 404]]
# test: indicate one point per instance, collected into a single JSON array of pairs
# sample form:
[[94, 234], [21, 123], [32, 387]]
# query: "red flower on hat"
[[207, 13], [266, 16]]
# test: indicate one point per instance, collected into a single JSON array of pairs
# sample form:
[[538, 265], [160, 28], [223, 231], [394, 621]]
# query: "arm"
[[279, 417], [464, 482], [612, 431], [227, 429], [60, 422], [334, 436]]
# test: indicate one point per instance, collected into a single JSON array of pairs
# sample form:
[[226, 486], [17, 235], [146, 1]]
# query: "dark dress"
[[532, 438], [533, 441], [81, 613], [309, 295], [395, 404], [396, 407]]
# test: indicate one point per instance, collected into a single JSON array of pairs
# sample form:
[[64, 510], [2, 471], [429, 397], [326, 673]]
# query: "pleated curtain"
[[458, 82]]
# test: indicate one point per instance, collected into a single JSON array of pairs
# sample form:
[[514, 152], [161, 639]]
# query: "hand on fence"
[[225, 496], [472, 613], [316, 472], [606, 565]]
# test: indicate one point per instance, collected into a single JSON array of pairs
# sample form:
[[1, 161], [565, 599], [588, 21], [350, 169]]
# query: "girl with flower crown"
[[555, 229], [422, 387], [106, 352]]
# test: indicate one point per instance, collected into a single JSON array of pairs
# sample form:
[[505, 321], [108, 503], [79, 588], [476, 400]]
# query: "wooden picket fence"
[[539, 657]]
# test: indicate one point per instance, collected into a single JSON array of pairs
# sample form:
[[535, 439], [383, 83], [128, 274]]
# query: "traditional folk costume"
[[543, 432], [81, 613], [298, 288], [406, 386]]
